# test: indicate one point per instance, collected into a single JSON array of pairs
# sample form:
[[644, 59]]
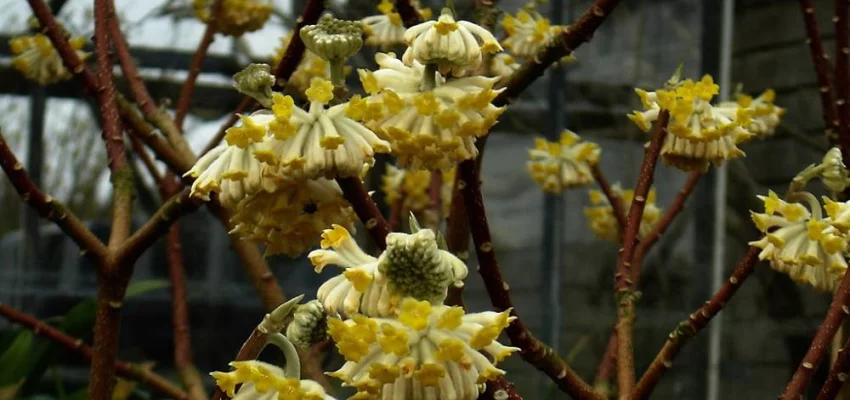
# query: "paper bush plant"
[[285, 175]]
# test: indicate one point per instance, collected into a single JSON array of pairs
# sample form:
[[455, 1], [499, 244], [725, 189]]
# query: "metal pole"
[[30, 221], [720, 184], [553, 205]]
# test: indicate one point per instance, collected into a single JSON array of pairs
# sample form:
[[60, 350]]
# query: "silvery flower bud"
[[834, 175], [333, 39], [309, 325]]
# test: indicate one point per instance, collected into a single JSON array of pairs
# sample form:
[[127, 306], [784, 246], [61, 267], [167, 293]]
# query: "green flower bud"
[[309, 325], [333, 39], [834, 175], [256, 81]]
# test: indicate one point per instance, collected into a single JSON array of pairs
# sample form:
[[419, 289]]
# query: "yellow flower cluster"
[[427, 128], [527, 32], [387, 29], [601, 217], [801, 243], [701, 133], [454, 46], [560, 165], [263, 380], [411, 188], [426, 352], [237, 16], [38, 60]]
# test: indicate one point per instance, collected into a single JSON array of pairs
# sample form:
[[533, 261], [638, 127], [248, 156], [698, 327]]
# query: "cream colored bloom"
[[758, 116], [231, 168], [412, 265], [699, 134], [412, 188], [38, 60], [428, 129], [385, 29], [802, 244], [262, 381], [289, 218], [453, 45], [601, 217], [503, 66], [321, 142], [237, 16], [560, 165], [527, 32], [428, 352]]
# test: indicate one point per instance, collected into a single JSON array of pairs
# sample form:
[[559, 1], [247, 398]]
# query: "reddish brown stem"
[[127, 370], [457, 236], [188, 88], [533, 350], [562, 45], [292, 56], [615, 202], [395, 213], [837, 375], [820, 62], [608, 364], [48, 207], [838, 310], [106, 88], [695, 323], [672, 211], [500, 389], [407, 12], [57, 36], [136, 124], [145, 158], [366, 209], [842, 73], [624, 285]]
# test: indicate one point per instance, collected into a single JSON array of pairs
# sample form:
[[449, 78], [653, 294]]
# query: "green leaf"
[[13, 358], [142, 287], [414, 223]]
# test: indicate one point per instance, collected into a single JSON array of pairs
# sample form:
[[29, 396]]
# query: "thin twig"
[[695, 323], [820, 61], [533, 350], [838, 310], [616, 203], [188, 88], [673, 210], [624, 285], [49, 208], [842, 73], [178, 205], [145, 158], [607, 366], [77, 346], [562, 45], [366, 209], [136, 124], [838, 374], [57, 36]]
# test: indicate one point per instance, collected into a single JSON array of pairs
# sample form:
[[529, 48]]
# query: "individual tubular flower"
[[411, 188], [385, 29], [311, 66], [237, 17], [309, 325], [262, 380], [527, 32], [37, 59], [428, 129], [802, 244], [758, 116], [321, 142], [428, 352], [412, 265], [601, 217], [560, 165], [503, 66], [698, 133], [231, 168], [289, 218], [452, 45]]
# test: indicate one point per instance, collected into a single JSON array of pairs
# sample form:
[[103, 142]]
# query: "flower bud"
[[256, 81], [834, 175], [333, 39], [309, 325]]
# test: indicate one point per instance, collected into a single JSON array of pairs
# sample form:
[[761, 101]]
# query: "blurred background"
[[561, 276]]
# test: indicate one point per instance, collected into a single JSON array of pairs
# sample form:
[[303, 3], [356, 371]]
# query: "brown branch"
[[837, 375], [820, 61], [57, 36], [435, 190], [106, 89], [177, 206], [74, 345], [156, 115], [407, 12], [292, 56], [366, 209], [145, 158], [695, 323], [189, 375], [48, 207], [842, 73], [395, 213], [136, 124], [188, 88], [500, 389], [562, 45], [457, 236], [624, 285], [838, 310], [672, 211], [615, 202], [607, 366], [533, 350]]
